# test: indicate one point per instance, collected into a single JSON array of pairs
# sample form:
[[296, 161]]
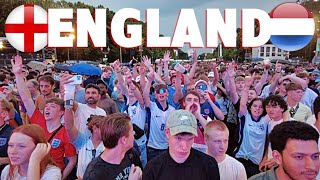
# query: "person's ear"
[[277, 156], [167, 132], [4, 114]]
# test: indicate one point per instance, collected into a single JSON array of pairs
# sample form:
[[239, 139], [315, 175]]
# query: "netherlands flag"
[[292, 26]]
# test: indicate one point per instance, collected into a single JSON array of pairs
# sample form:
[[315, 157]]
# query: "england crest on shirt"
[[3, 141], [55, 143], [261, 127], [206, 111]]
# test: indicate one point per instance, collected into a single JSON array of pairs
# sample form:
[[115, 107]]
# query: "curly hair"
[[275, 100], [285, 131]]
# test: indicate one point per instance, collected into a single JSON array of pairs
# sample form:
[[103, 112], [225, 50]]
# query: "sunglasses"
[[202, 87], [161, 91]]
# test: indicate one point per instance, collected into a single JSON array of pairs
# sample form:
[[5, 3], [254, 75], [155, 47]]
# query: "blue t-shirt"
[[207, 110], [5, 132]]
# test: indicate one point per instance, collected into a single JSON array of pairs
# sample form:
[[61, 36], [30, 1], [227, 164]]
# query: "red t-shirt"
[[60, 144]]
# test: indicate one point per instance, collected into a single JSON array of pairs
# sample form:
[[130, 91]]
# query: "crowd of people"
[[162, 121]]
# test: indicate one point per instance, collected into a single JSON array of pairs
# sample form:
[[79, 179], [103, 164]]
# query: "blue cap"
[[316, 71]]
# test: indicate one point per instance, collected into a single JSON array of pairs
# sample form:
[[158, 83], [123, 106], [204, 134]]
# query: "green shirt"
[[268, 175]]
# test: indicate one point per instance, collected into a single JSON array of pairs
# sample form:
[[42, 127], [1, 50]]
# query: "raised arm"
[[194, 65], [121, 82], [142, 70], [134, 89], [166, 58], [178, 90], [215, 72], [263, 80], [21, 85], [234, 97], [156, 76], [244, 96], [146, 90], [159, 67], [277, 77], [297, 80], [69, 124]]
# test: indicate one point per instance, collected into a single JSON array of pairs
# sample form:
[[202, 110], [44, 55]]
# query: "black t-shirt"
[[5, 132], [100, 169], [198, 166]]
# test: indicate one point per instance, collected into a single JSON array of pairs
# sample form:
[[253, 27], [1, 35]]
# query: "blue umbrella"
[[86, 69]]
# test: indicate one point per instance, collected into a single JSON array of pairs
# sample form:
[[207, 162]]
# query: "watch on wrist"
[[69, 103]]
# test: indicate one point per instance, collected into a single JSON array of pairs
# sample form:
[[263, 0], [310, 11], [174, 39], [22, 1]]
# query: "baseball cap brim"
[[183, 129]]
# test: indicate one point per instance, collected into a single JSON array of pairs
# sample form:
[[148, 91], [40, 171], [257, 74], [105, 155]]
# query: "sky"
[[169, 10]]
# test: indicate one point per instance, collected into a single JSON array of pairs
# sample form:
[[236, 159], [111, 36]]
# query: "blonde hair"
[[214, 125]]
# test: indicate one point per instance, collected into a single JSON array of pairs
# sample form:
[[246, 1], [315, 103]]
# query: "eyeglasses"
[[93, 151]]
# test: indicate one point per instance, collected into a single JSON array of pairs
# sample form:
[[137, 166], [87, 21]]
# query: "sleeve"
[[69, 148], [265, 92], [242, 172], [37, 118], [80, 141], [52, 173], [214, 170], [5, 172]]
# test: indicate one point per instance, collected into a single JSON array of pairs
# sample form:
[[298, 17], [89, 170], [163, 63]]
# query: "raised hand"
[[146, 61], [150, 76], [213, 65], [41, 150], [142, 68], [116, 66], [249, 80], [128, 77], [230, 70], [166, 56], [278, 67], [16, 63]]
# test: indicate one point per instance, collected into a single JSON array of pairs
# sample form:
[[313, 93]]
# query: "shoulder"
[[52, 172], [5, 172], [157, 162], [203, 159], [100, 111], [310, 93], [260, 176], [234, 162]]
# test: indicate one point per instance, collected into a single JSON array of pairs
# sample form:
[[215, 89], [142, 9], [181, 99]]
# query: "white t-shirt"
[[82, 114], [137, 114], [157, 136], [50, 173], [271, 125], [231, 169]]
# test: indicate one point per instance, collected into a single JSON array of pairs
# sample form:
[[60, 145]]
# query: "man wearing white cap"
[[181, 161]]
